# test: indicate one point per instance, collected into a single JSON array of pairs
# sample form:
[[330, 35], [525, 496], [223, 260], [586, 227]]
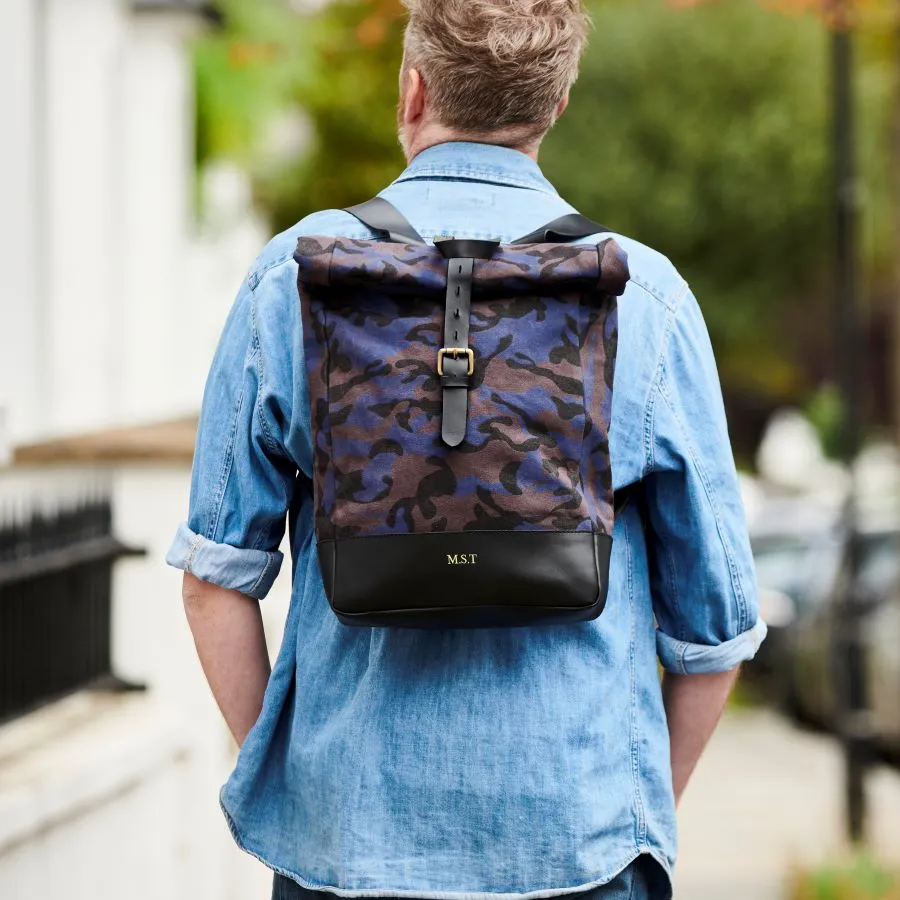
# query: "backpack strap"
[[386, 221], [565, 228]]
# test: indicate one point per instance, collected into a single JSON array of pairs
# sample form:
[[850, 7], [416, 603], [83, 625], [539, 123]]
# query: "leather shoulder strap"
[[386, 221], [565, 228]]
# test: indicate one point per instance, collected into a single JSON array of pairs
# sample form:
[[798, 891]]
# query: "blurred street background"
[[150, 149]]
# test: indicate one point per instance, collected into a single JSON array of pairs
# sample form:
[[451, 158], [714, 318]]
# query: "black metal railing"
[[56, 604]]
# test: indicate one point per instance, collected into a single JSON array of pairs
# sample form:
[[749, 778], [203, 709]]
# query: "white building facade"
[[112, 302]]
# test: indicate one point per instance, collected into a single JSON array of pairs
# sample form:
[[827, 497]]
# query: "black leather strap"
[[386, 221], [629, 494], [451, 247], [455, 359], [565, 228]]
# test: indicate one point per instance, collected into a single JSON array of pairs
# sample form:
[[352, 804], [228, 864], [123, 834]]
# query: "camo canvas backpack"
[[460, 397]]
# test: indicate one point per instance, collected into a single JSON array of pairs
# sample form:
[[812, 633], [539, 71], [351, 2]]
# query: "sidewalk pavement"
[[765, 797]]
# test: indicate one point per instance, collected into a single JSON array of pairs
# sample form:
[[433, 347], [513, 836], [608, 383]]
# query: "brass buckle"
[[455, 353]]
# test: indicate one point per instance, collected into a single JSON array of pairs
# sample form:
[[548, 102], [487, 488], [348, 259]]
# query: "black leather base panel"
[[471, 579]]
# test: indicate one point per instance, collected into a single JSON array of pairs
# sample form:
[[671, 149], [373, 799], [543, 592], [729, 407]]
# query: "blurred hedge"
[[858, 879]]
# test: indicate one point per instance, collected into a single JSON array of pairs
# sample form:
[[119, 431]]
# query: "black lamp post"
[[848, 646]]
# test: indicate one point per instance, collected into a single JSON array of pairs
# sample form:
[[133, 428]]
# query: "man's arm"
[[228, 633], [243, 481], [694, 704], [702, 577]]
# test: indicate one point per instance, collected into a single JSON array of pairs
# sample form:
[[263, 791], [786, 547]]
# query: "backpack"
[[460, 397]]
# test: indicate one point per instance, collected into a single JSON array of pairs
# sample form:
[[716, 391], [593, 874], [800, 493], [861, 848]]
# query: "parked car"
[[812, 670], [796, 550], [882, 638], [800, 552]]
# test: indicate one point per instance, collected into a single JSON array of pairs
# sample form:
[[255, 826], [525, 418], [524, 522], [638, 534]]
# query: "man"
[[523, 762]]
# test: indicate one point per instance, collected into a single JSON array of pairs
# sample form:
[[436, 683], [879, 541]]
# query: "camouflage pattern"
[[536, 453]]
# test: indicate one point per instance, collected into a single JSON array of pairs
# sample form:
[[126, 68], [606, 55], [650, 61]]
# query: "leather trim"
[[466, 247], [467, 579], [565, 228]]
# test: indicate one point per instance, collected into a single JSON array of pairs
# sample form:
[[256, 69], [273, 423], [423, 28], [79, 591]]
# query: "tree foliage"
[[247, 73], [704, 132], [350, 99]]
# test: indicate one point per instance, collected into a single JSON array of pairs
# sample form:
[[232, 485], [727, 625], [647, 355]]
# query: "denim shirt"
[[522, 762]]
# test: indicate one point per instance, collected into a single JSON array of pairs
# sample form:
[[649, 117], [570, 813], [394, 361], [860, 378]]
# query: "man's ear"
[[413, 97], [561, 106]]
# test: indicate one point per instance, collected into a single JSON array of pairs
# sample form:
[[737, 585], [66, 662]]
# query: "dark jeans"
[[642, 880]]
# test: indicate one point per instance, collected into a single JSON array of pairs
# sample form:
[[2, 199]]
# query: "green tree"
[[704, 132], [350, 98]]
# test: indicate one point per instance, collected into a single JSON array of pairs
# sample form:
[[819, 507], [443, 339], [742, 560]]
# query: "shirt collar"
[[478, 162]]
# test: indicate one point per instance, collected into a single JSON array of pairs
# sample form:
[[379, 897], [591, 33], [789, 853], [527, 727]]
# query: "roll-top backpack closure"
[[417, 270]]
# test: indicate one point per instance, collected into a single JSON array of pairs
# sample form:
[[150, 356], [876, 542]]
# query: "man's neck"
[[431, 136]]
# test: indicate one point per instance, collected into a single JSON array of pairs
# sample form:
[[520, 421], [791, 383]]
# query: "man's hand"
[[228, 633], [694, 704]]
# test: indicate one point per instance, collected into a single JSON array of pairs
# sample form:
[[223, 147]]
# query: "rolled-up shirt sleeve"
[[701, 568], [243, 478]]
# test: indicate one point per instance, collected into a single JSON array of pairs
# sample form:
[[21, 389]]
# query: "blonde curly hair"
[[494, 66]]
